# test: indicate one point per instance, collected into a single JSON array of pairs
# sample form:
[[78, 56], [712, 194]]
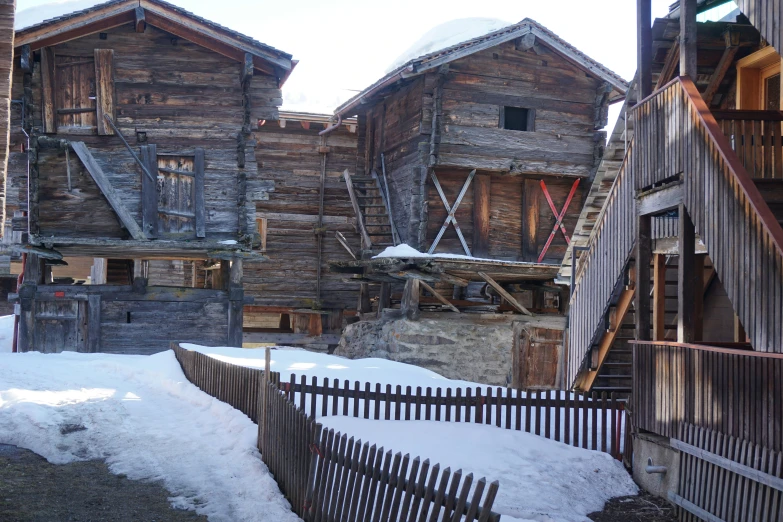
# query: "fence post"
[[262, 418]]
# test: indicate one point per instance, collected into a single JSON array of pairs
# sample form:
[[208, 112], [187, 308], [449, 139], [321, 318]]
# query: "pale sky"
[[344, 46]]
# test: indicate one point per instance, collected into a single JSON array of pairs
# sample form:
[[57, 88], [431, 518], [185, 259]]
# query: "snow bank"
[[6, 333], [142, 416], [540, 480], [302, 362]]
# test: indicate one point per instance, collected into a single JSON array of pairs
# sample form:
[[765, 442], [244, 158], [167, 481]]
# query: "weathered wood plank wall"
[[7, 8], [288, 199], [767, 17]]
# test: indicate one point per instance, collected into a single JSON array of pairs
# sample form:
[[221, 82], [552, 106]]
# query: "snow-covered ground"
[[540, 480], [6, 333], [144, 418]]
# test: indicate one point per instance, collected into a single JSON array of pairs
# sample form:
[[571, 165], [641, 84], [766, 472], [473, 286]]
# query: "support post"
[[688, 38], [481, 206], [698, 293], [644, 46], [686, 279], [364, 298], [236, 296], [410, 300], [659, 297], [93, 323], [643, 259], [384, 299]]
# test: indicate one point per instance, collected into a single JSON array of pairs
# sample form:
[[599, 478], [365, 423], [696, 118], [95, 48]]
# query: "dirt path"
[[32, 489]]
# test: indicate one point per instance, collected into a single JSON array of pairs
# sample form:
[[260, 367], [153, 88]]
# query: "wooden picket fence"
[[726, 478], [588, 420], [327, 475]]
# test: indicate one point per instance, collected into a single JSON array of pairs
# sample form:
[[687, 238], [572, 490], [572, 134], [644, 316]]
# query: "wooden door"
[[75, 94], [176, 196], [536, 357], [60, 325]]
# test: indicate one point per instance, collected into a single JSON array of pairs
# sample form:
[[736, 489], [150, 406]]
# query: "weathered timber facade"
[[518, 106], [141, 151], [678, 296], [301, 206], [484, 150]]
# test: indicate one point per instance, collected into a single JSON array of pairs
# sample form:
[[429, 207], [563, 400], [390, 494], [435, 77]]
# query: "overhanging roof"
[[162, 15], [527, 26]]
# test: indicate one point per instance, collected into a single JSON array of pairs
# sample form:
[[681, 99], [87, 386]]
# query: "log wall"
[[168, 92], [7, 8], [289, 180]]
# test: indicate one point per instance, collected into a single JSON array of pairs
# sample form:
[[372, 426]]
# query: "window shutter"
[[104, 89], [48, 90], [200, 207]]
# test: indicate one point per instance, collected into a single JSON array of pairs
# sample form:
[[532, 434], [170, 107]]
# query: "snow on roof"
[[408, 252], [444, 55], [448, 34]]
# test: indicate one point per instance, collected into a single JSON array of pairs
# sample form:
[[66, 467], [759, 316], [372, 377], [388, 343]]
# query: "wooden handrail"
[[749, 115], [715, 349], [728, 155]]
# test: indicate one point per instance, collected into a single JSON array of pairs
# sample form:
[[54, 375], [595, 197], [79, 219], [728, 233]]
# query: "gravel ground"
[[638, 508], [33, 490]]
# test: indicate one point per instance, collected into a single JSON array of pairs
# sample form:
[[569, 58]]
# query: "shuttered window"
[[77, 91]]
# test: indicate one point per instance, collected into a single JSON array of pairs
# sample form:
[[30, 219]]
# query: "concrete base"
[[648, 445]]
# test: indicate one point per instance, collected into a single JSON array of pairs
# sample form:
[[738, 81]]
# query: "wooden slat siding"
[[600, 268], [6, 65], [748, 258], [738, 393], [321, 472], [726, 478], [755, 137], [766, 16]]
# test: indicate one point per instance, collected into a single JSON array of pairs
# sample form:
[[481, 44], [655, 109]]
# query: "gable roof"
[[440, 57], [162, 15]]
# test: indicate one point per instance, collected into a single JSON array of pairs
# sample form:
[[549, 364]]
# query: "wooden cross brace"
[[559, 216], [451, 210]]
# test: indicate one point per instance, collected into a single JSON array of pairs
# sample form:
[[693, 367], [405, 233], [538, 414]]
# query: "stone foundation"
[[471, 347]]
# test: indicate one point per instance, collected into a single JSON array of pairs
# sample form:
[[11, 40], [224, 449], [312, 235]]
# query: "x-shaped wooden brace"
[[451, 210], [559, 216]]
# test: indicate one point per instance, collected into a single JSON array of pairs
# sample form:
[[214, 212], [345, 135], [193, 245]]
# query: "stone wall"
[[474, 348]]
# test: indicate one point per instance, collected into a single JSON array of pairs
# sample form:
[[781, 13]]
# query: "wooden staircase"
[[373, 213]]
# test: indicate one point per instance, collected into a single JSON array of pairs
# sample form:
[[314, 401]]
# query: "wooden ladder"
[[373, 212]]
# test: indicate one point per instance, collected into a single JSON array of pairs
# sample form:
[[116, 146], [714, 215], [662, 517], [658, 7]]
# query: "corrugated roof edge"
[[167, 5], [413, 67]]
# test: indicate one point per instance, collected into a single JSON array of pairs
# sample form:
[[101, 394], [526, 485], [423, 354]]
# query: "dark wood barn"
[[140, 118], [303, 214], [680, 289]]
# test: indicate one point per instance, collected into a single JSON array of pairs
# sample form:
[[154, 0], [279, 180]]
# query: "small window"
[[517, 118]]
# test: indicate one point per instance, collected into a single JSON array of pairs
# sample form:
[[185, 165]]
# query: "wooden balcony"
[[755, 136]]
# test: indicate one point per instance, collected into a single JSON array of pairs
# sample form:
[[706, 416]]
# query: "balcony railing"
[[755, 137]]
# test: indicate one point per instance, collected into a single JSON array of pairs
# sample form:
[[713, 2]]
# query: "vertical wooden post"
[[686, 278], [688, 38], [659, 297], [530, 209], [93, 323], [643, 259], [236, 297], [644, 46], [698, 293], [364, 298], [410, 300], [384, 299], [220, 276], [481, 191]]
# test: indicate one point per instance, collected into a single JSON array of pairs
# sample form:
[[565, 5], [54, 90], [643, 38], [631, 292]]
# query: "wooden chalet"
[[7, 7], [304, 217], [677, 281], [483, 150], [132, 147]]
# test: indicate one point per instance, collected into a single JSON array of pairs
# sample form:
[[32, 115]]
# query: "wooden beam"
[[93, 323], [481, 206], [688, 38], [659, 200], [48, 90], [644, 46], [720, 72], [455, 280], [439, 297], [198, 189], [643, 257], [686, 283], [366, 241], [505, 295], [141, 21], [410, 300], [149, 192], [659, 297], [104, 184], [669, 66], [104, 90], [384, 298], [531, 198], [67, 30], [235, 303], [698, 293], [607, 339]]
